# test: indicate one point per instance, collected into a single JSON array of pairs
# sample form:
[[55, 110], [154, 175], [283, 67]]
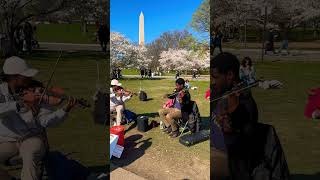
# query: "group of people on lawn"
[[180, 102]]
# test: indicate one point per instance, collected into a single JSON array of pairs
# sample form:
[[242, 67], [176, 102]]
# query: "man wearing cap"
[[21, 131], [118, 97], [114, 84]]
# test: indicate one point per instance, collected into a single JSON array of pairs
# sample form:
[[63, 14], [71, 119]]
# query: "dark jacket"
[[186, 104], [260, 157]]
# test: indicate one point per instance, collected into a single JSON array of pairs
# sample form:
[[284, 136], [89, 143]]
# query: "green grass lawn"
[[79, 135], [284, 109], [156, 144], [156, 89], [65, 33]]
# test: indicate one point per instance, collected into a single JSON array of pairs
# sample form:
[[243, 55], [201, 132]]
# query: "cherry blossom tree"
[[125, 54], [122, 52], [184, 60]]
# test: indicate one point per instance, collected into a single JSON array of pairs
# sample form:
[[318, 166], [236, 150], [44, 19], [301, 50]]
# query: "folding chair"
[[182, 126]]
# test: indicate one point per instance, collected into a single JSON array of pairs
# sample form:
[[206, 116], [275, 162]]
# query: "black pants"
[[217, 45]]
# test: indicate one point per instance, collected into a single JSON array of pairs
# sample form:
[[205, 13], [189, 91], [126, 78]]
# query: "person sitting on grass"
[[182, 101], [187, 84], [117, 101], [247, 71]]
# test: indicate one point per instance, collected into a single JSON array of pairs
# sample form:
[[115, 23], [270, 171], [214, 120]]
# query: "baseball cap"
[[15, 65], [115, 82]]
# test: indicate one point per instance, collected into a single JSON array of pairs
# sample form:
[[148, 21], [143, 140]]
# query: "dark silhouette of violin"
[[53, 96]]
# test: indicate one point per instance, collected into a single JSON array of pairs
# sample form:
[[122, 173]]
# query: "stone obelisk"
[[141, 29]]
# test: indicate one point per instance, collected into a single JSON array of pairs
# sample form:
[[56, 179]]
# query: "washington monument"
[[141, 29]]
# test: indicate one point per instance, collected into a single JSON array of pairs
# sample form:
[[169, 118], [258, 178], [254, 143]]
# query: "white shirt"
[[15, 125], [116, 100]]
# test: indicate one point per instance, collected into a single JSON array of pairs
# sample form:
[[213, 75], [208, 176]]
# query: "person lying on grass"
[[117, 102], [182, 101]]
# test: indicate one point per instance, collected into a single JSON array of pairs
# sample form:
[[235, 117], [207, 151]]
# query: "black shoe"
[[168, 130], [175, 134]]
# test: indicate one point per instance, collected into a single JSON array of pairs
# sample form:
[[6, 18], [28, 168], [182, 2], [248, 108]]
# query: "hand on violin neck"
[[71, 104]]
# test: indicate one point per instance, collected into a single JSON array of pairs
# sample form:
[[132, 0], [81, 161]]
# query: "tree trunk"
[[84, 26], [9, 45]]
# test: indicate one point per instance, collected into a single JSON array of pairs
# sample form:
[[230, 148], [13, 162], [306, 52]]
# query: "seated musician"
[[249, 151], [182, 100], [114, 84], [22, 120], [238, 118], [117, 102]]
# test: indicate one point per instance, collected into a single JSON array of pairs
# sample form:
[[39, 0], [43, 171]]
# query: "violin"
[[177, 93], [53, 96], [225, 104]]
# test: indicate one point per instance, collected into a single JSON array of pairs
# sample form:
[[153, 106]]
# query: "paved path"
[[69, 47], [201, 78], [295, 55], [118, 173], [255, 54]]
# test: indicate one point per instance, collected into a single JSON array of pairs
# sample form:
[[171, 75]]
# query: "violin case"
[[195, 138]]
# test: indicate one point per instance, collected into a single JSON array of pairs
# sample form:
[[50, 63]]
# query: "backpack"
[[59, 167], [194, 122], [130, 116], [143, 96]]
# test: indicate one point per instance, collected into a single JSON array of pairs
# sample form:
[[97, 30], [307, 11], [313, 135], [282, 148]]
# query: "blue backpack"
[[59, 167], [130, 116]]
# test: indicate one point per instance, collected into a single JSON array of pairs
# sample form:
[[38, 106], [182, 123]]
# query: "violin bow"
[[50, 79], [237, 90]]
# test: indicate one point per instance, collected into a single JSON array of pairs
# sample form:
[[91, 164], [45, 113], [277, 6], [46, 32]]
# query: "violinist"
[[236, 116], [22, 123], [182, 101], [114, 84], [117, 102]]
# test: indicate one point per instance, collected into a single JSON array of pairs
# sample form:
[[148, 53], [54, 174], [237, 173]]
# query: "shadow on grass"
[[205, 123], [132, 126], [134, 148], [305, 177]]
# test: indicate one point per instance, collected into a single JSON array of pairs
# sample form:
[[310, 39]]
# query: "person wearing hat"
[[114, 84], [117, 102], [22, 131]]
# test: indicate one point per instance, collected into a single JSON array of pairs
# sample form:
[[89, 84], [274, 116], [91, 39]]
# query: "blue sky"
[[160, 16]]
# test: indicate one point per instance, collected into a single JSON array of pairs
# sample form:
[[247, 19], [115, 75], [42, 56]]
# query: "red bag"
[[168, 104], [313, 103]]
